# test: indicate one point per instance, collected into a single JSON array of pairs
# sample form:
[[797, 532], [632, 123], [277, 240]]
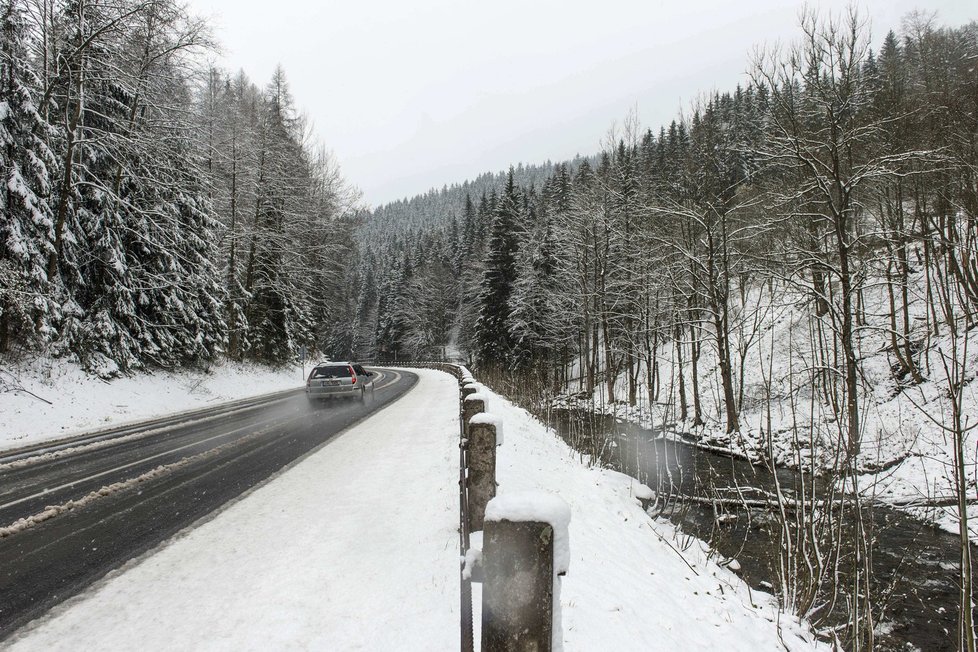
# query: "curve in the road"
[[55, 559]]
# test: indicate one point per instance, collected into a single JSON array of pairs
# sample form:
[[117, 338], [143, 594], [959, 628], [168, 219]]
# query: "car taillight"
[[354, 374]]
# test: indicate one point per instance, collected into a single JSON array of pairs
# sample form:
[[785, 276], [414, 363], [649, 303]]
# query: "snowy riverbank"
[[907, 452]]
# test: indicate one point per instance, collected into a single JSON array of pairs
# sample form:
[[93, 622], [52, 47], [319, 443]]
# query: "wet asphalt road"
[[208, 458]]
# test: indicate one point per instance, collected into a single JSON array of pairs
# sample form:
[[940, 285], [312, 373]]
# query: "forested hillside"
[[789, 269], [415, 254], [839, 169], [156, 210]]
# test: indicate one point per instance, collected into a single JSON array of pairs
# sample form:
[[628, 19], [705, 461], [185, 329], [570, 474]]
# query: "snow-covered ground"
[[901, 422], [356, 547], [78, 401], [631, 584]]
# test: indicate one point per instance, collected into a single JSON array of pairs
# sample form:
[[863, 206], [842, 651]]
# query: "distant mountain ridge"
[[432, 209]]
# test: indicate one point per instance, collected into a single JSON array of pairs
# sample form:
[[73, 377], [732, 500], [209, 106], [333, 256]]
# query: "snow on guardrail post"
[[525, 551], [472, 405], [485, 434], [468, 389]]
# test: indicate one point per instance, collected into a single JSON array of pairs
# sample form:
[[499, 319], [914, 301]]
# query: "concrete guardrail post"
[[472, 405], [525, 551], [485, 434], [469, 389]]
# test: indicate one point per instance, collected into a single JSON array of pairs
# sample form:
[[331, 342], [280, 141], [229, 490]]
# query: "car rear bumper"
[[327, 392]]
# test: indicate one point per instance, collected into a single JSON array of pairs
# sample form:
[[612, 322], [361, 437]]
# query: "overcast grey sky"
[[413, 94]]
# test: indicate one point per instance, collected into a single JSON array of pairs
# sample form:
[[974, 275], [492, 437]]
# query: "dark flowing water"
[[914, 564]]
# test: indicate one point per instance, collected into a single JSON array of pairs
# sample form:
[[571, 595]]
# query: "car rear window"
[[337, 371]]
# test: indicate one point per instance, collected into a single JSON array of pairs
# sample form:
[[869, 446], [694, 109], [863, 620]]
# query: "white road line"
[[56, 510], [103, 441], [139, 461], [397, 377]]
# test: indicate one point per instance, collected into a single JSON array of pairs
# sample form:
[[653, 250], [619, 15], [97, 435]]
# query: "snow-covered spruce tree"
[[471, 272], [564, 326], [623, 283], [390, 311], [322, 264], [287, 261], [582, 238], [428, 310], [224, 132], [277, 312], [365, 335], [131, 235], [89, 258], [330, 271], [118, 195], [541, 318], [494, 339], [229, 121], [26, 165], [179, 295]]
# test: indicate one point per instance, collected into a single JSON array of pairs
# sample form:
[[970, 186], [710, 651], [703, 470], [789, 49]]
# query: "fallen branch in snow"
[[937, 501], [751, 503], [9, 383], [789, 504], [663, 540], [193, 387]]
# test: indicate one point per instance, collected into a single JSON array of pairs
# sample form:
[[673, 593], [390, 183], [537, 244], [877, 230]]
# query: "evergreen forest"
[[157, 211]]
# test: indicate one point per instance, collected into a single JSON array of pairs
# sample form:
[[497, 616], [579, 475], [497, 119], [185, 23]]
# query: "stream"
[[914, 563]]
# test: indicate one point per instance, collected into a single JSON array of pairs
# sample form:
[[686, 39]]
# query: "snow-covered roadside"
[[81, 401], [354, 547], [631, 585]]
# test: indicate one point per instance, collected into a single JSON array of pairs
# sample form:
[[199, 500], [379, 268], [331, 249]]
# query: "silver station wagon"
[[339, 379]]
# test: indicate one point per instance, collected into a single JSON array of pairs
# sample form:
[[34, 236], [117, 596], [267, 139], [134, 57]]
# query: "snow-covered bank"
[[356, 547], [80, 401], [907, 453], [631, 584]]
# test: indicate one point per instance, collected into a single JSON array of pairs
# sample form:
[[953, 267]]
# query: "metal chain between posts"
[[468, 636]]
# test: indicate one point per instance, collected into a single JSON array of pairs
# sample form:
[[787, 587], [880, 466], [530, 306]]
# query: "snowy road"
[[99, 501]]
